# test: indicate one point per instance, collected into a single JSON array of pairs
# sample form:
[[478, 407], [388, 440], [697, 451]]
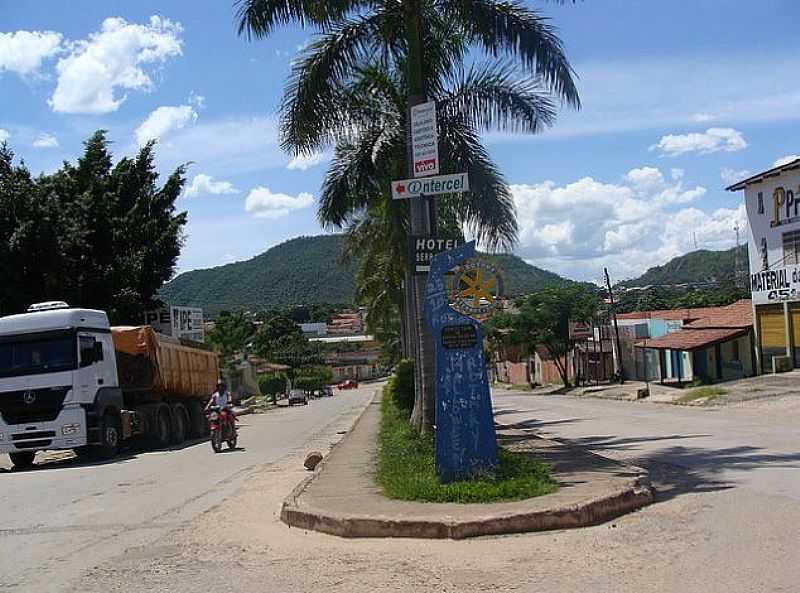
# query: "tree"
[[544, 317], [92, 234], [230, 335], [384, 41]]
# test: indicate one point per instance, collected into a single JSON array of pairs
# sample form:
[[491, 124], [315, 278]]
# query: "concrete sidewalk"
[[342, 498]]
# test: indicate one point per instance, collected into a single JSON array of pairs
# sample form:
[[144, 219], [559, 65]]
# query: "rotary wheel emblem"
[[475, 289]]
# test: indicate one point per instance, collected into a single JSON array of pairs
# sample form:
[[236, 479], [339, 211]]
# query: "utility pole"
[[420, 224], [620, 368]]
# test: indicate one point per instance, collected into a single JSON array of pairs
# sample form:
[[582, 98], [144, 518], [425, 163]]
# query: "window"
[[761, 202], [791, 248], [41, 353], [91, 350], [735, 349]]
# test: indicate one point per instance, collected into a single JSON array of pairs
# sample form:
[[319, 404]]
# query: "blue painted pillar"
[[466, 443]]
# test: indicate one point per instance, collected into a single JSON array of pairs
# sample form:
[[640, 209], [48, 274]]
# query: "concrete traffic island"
[[341, 496]]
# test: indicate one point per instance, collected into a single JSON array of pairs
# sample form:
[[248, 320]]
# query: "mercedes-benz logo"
[[29, 397]]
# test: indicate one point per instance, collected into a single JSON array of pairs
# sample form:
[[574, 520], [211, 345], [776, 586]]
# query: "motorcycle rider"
[[222, 399]]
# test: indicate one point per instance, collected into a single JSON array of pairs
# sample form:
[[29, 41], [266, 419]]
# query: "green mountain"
[[699, 268], [307, 270]]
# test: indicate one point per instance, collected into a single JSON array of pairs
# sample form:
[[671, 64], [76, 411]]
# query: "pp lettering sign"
[[424, 247], [430, 186], [178, 322], [424, 139]]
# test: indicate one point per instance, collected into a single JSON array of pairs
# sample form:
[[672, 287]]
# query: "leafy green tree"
[[272, 384], [93, 234], [231, 334], [544, 317]]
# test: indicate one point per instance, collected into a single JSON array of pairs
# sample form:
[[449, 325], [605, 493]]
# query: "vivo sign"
[[424, 139]]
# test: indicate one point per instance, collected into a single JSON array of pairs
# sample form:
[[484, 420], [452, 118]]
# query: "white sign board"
[[178, 322], [430, 186], [424, 139], [773, 216]]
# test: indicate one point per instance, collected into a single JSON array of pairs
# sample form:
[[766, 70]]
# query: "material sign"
[[424, 139], [430, 186], [466, 443], [178, 322], [424, 247]]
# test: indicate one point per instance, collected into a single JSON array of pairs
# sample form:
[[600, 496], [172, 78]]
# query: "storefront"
[[772, 201]]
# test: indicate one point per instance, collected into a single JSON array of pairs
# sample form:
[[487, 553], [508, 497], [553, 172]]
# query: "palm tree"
[[349, 89]]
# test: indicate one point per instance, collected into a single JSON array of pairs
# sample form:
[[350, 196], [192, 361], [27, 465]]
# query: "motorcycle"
[[222, 426]]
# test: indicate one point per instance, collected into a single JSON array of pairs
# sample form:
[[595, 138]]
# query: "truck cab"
[[58, 380]]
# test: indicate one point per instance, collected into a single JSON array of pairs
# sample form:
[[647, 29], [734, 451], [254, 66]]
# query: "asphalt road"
[[62, 518], [726, 520]]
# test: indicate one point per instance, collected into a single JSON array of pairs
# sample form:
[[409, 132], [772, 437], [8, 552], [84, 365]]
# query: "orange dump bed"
[[148, 361]]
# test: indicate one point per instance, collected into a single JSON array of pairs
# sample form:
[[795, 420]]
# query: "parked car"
[[326, 391], [297, 396], [348, 384]]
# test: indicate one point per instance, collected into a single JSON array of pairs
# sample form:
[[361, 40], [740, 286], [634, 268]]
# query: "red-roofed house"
[[715, 344]]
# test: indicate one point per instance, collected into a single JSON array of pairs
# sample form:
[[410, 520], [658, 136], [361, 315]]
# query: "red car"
[[348, 384]]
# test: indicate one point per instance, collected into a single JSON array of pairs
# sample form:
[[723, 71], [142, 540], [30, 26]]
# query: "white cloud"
[[577, 228], [205, 184], [703, 117], [712, 140], [302, 162], [786, 159], [45, 140], [263, 203], [164, 120], [230, 146], [731, 176], [198, 101], [676, 174], [23, 52], [4, 135], [111, 59]]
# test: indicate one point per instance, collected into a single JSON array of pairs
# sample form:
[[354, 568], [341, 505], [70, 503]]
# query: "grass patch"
[[701, 392], [406, 468], [520, 387]]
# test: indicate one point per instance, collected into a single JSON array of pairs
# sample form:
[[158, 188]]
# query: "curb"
[[592, 512], [636, 494]]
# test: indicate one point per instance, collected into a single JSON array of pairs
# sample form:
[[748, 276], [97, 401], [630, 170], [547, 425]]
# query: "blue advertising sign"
[[466, 443]]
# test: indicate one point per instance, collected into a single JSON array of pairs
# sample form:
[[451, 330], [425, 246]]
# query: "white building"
[[772, 200]]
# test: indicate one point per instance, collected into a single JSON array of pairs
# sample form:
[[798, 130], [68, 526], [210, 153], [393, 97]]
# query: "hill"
[[698, 268], [306, 270]]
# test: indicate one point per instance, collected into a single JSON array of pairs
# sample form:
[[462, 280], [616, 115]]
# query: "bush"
[[402, 385], [272, 383]]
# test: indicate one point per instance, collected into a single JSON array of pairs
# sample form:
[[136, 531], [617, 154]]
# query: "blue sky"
[[679, 99]]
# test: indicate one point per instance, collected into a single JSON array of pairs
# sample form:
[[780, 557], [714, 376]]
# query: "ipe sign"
[[178, 322], [424, 247], [424, 139]]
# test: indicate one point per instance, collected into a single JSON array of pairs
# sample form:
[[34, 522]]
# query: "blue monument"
[[466, 443]]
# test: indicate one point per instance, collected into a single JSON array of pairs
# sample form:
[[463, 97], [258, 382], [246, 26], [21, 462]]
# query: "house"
[[712, 344], [352, 357], [346, 323], [772, 201], [314, 330], [545, 369]]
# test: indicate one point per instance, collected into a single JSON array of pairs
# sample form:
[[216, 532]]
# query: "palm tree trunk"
[[422, 417]]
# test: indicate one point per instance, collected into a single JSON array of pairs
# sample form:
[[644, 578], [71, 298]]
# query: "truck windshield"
[[42, 353]]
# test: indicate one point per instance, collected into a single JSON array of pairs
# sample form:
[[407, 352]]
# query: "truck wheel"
[[180, 422], [158, 425], [22, 459], [198, 425], [110, 437]]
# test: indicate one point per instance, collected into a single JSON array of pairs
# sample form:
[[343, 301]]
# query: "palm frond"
[[511, 28], [487, 210], [258, 18], [497, 95]]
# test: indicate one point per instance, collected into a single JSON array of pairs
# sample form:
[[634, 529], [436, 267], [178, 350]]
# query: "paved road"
[[62, 518], [726, 520]]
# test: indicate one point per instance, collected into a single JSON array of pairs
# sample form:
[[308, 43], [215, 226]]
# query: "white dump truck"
[[68, 380]]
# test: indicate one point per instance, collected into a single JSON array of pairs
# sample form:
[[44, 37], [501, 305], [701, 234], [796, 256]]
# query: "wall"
[[765, 224], [733, 368]]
